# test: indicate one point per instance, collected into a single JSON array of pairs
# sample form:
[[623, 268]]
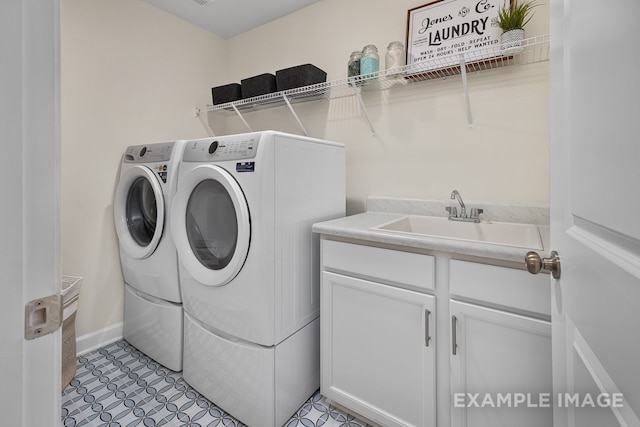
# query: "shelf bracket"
[[294, 114], [203, 121], [358, 92], [465, 87], [241, 117]]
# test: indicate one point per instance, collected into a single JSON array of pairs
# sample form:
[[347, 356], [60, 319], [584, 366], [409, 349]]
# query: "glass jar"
[[394, 58], [369, 63], [353, 69]]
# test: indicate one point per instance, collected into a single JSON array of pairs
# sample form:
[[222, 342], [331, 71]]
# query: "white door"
[[595, 210], [29, 210]]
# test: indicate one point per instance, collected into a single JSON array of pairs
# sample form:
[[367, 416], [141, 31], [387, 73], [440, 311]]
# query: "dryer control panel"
[[150, 153], [222, 148]]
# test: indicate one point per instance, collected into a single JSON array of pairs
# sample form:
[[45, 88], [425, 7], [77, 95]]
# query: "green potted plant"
[[512, 17]]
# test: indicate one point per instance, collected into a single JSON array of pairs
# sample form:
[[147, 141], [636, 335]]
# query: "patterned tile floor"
[[117, 385]]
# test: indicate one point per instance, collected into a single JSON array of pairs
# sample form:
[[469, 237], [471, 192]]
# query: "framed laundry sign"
[[440, 31]]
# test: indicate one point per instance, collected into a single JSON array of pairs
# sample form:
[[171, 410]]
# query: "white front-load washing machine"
[[249, 267], [153, 318]]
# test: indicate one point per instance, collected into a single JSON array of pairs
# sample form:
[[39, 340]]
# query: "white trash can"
[[70, 295]]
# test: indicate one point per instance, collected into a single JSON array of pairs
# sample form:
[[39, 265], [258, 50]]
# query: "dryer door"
[[212, 229], [139, 211]]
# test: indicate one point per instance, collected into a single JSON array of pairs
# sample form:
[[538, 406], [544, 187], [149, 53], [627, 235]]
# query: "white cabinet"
[[500, 361], [510, 288], [378, 339], [405, 269], [377, 353], [500, 370]]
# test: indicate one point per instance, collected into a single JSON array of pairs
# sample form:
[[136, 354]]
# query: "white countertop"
[[360, 227]]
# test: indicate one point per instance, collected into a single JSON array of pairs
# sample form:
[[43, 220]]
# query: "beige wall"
[[133, 74], [423, 147]]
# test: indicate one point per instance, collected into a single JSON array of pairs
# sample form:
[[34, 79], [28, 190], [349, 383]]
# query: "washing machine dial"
[[213, 147], [143, 151]]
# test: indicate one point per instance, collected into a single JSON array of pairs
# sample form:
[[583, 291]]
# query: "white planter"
[[512, 41]]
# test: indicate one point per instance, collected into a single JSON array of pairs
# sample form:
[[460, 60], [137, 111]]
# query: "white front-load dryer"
[[249, 267], [153, 317]]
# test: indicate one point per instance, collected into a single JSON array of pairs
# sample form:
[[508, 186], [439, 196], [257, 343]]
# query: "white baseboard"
[[94, 340]]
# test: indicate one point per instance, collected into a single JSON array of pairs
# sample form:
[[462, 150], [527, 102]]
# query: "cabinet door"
[[377, 350], [500, 359]]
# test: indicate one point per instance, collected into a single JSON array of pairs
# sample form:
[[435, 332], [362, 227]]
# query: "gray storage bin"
[[258, 85], [299, 76], [226, 93]]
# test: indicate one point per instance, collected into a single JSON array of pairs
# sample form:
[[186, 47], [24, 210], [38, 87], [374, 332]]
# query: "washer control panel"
[[150, 153], [222, 148]]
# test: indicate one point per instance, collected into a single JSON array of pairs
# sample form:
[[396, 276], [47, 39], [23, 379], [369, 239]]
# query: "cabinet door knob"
[[535, 264]]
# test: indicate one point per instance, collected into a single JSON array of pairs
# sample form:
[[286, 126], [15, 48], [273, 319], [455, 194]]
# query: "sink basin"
[[500, 233]]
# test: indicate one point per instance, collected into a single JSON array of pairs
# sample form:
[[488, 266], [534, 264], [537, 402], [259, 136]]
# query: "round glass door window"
[[212, 224], [142, 211]]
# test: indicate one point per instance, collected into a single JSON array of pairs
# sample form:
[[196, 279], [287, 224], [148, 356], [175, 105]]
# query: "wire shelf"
[[532, 50]]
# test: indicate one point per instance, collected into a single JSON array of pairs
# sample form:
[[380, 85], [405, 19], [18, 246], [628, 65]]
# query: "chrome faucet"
[[463, 210], [453, 210]]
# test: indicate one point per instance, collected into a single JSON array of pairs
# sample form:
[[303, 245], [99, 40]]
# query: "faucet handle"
[[475, 212], [453, 211]]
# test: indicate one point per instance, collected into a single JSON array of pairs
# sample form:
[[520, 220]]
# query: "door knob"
[[535, 264]]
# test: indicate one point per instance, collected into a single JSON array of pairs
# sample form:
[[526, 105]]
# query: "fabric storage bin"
[[226, 93], [299, 76], [258, 85]]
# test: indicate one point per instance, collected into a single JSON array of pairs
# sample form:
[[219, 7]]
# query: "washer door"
[[139, 212], [212, 228]]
